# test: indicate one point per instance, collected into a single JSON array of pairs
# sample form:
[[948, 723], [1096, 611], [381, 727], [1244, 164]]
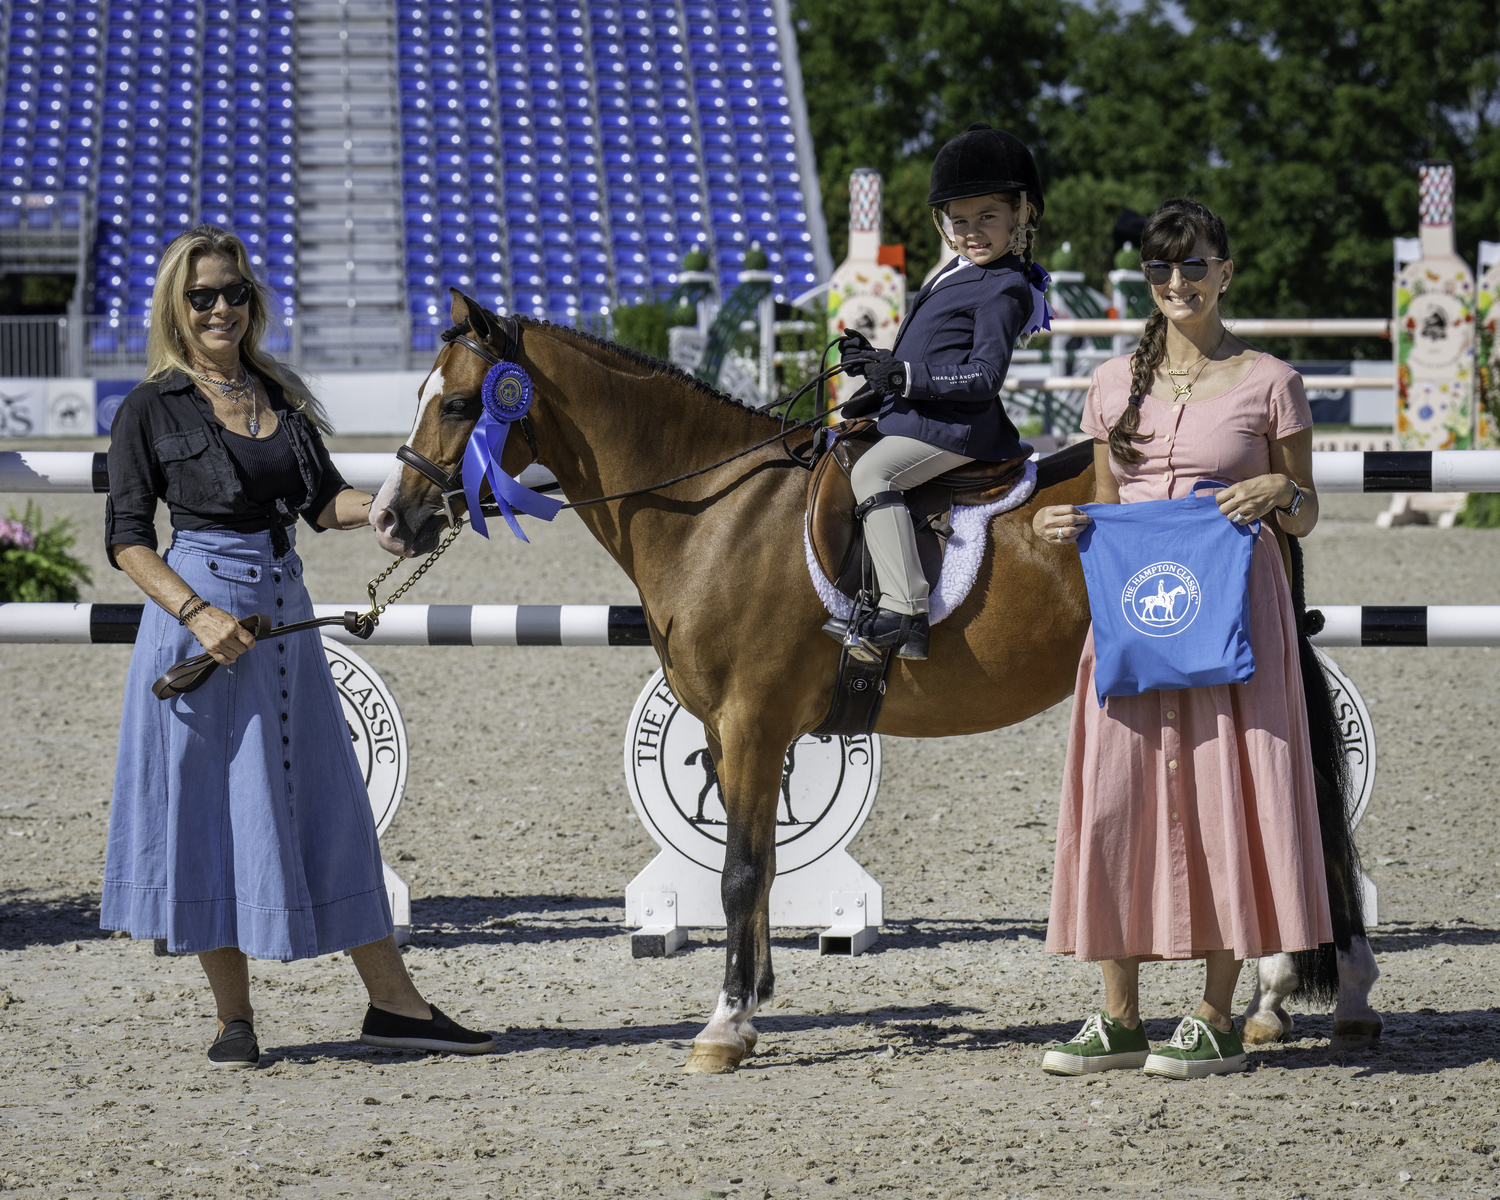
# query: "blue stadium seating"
[[560, 157]]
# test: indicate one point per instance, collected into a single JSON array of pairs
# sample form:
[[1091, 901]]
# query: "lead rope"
[[378, 606]]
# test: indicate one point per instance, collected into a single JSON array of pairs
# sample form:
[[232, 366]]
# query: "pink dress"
[[1189, 821]]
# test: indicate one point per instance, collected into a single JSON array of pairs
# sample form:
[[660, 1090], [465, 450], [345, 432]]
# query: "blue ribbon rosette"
[[1041, 312], [506, 395]]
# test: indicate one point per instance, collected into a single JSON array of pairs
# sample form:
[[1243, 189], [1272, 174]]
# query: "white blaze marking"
[[432, 388]]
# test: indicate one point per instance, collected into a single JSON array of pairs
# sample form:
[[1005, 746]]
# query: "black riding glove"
[[854, 349], [860, 360], [886, 376]]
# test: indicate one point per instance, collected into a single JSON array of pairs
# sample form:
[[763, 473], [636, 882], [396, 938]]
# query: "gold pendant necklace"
[[1181, 391], [1184, 391]]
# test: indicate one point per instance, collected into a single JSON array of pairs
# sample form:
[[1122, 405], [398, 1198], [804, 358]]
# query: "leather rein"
[[450, 483]]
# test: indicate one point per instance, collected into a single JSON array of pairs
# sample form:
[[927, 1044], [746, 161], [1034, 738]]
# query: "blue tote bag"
[[1169, 592]]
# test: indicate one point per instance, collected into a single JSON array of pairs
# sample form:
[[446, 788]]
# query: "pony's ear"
[[466, 308]]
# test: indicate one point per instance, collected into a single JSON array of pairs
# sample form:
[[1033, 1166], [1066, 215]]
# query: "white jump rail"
[[625, 625], [1246, 327], [1080, 383], [400, 625], [1333, 471], [1406, 625], [88, 471]]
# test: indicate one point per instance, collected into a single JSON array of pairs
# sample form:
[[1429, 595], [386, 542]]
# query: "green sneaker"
[[1198, 1049], [1103, 1044]]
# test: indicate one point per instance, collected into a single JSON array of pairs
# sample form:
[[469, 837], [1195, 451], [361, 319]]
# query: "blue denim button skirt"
[[240, 816]]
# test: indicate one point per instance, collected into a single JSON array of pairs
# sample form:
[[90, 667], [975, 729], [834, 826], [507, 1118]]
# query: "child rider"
[[938, 390]]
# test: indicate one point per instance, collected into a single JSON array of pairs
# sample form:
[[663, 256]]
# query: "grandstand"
[[553, 158]]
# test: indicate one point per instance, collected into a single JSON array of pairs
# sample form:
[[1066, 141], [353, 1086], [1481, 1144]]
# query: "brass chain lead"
[[376, 606]]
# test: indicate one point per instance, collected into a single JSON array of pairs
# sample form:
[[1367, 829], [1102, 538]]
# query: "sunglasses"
[[236, 294], [1159, 273]]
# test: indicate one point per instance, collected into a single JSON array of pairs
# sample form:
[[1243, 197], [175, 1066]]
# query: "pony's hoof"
[[1354, 1033], [1264, 1028], [747, 1031], [713, 1058]]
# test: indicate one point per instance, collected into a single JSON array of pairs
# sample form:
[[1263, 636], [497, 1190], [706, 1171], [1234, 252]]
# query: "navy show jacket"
[[956, 342]]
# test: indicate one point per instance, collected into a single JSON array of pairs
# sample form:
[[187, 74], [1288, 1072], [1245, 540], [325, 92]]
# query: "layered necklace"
[[1183, 392], [238, 390]]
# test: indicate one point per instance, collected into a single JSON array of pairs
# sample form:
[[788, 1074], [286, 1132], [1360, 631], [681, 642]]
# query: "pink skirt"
[[1189, 822]]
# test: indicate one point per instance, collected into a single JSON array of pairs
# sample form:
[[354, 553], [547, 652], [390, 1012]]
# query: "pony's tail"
[[1317, 969]]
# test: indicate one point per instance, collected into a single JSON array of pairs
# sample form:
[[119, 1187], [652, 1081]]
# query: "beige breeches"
[[895, 464]]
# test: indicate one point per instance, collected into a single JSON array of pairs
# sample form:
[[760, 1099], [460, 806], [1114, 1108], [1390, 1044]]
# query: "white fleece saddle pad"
[[961, 561]]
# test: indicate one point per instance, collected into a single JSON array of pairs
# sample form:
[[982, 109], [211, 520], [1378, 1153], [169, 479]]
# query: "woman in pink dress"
[[1189, 821]]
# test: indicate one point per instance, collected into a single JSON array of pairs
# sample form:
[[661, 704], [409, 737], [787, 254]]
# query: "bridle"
[[450, 483]]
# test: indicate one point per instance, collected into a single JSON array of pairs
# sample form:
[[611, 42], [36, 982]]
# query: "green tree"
[[889, 82], [1302, 124], [1317, 117]]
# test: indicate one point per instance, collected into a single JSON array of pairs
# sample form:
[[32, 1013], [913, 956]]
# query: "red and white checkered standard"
[[864, 201], [1437, 193]]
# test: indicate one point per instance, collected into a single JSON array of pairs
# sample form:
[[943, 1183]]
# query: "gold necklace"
[[1183, 392]]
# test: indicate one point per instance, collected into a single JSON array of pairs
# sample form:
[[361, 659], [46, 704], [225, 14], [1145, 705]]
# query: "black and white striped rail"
[[1409, 625], [401, 624], [1407, 470], [625, 625], [1333, 471]]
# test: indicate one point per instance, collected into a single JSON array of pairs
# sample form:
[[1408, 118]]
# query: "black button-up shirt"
[[166, 444]]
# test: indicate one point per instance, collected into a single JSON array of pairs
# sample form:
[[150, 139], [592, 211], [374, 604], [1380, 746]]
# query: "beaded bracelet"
[[182, 608], [193, 612]]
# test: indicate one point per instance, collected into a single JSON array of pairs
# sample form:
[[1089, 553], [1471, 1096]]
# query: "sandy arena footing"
[[912, 1071]]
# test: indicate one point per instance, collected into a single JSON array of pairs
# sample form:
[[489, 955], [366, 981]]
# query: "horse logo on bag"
[[1162, 599]]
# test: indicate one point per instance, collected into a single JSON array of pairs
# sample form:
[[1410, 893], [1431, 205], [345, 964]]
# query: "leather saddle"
[[837, 539]]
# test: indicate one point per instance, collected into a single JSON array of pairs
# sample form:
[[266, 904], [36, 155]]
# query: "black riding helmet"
[[981, 161]]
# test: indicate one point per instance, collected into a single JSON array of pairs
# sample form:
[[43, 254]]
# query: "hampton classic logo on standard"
[[1161, 600], [828, 786]]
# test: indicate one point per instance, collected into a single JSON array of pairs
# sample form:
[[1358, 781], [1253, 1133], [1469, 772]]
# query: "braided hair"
[[1170, 234]]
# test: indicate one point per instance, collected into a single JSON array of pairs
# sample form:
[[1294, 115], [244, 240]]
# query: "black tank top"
[[267, 467]]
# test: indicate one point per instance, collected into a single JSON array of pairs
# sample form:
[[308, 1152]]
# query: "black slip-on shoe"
[[884, 628], [915, 646], [235, 1047], [440, 1034]]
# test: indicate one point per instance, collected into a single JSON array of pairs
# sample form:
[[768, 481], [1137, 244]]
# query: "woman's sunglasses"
[[236, 294], [1159, 273]]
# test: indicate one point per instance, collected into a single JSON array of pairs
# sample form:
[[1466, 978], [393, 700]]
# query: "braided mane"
[[641, 359]]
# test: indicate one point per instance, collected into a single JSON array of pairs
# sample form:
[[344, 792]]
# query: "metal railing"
[[104, 347], [31, 347], [1246, 326]]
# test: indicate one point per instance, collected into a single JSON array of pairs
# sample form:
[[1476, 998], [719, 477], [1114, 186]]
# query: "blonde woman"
[[240, 826]]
